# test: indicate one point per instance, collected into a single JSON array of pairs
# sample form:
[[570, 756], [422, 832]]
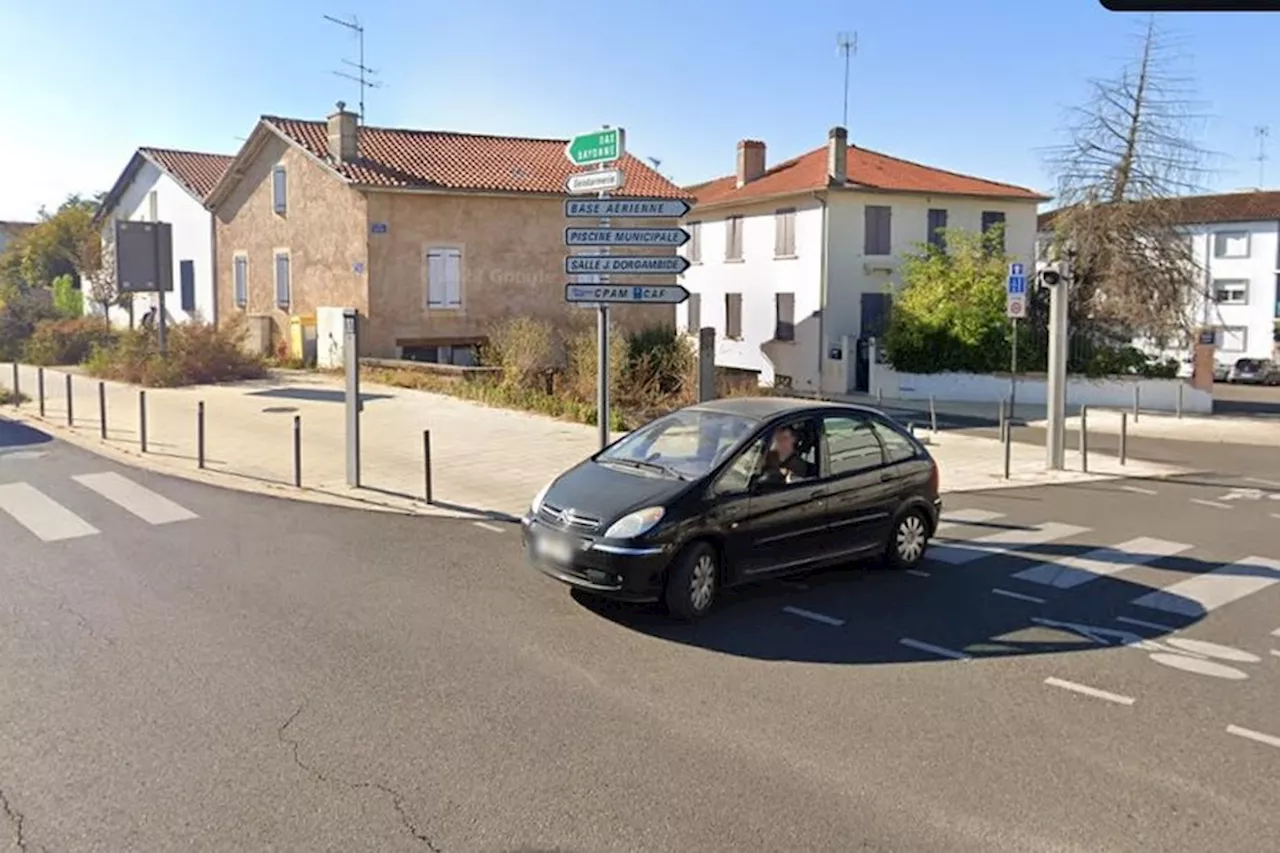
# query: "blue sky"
[[977, 86]]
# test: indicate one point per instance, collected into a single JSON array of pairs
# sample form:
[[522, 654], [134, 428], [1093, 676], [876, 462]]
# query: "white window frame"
[[276, 255], [240, 296], [444, 304], [280, 190], [1231, 284], [1220, 334], [1220, 250], [695, 242]]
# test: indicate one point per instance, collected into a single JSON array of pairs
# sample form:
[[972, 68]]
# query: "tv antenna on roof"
[[363, 72], [847, 43], [1262, 132]]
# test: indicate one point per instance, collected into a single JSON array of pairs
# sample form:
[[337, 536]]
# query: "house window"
[[990, 220], [187, 285], [283, 290], [693, 313], [733, 238], [279, 189], [937, 225], [1231, 291], [444, 278], [695, 242], [240, 278], [733, 316], [1231, 244], [784, 308], [877, 230], [1232, 338], [784, 233]]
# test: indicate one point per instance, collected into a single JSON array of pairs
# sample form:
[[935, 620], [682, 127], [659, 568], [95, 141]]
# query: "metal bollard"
[[17, 392], [911, 428], [297, 450], [70, 404], [1084, 439], [1136, 401], [40, 388], [200, 434], [426, 465], [1178, 402], [1124, 436], [142, 421], [933, 416], [879, 396], [1002, 420], [1008, 449], [102, 409]]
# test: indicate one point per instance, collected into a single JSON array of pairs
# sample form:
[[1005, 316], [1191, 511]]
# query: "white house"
[[795, 265], [170, 186], [1235, 244]]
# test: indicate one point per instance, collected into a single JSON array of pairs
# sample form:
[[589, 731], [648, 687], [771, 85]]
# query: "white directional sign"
[[1016, 292], [603, 181], [634, 294], [625, 264], [627, 208], [625, 236]]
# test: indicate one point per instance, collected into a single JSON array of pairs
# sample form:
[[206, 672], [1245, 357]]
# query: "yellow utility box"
[[302, 337]]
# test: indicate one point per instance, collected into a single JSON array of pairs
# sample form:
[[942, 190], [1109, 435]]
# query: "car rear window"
[[898, 446], [1249, 364]]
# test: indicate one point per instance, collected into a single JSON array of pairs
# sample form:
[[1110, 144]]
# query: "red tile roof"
[[865, 168], [1255, 206], [196, 171], [399, 158]]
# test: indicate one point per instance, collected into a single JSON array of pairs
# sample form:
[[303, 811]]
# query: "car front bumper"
[[623, 571]]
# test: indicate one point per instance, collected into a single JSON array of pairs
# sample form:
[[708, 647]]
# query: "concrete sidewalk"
[[485, 461]]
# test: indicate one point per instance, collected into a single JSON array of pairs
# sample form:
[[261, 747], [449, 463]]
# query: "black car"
[[710, 496]]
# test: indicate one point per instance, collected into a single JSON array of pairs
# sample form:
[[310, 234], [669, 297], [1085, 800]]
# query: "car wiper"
[[648, 466]]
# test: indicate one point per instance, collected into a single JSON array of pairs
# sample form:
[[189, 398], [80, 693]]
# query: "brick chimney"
[[750, 161], [838, 155], [342, 134]]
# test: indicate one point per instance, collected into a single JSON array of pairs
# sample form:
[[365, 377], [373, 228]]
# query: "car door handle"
[[885, 477], [817, 493]]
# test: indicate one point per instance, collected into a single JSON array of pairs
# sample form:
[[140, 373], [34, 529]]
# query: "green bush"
[[67, 301], [522, 347], [65, 341], [19, 315], [197, 354]]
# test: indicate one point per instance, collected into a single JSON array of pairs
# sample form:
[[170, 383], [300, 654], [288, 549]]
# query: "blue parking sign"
[[1017, 285], [1016, 270]]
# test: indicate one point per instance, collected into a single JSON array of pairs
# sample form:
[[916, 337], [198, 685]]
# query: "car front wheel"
[[693, 582], [908, 541]]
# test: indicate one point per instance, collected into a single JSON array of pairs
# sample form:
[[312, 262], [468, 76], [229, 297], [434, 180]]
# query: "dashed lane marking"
[[932, 649], [1142, 623], [1214, 504], [1269, 740], [484, 525], [1086, 690], [816, 617], [1011, 594], [1138, 490]]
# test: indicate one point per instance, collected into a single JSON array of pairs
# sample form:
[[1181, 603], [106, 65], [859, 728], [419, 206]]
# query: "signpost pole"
[[160, 324], [351, 360], [1055, 441], [1016, 308], [602, 340]]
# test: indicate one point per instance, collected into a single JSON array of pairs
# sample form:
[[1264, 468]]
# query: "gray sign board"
[[144, 257]]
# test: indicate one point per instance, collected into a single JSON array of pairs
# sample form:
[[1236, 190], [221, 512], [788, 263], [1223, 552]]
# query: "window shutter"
[[453, 278], [435, 279], [187, 284], [282, 280], [694, 315], [241, 275], [279, 188]]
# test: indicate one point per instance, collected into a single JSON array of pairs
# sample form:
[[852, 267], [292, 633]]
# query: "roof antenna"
[[1262, 132], [847, 44], [363, 72]]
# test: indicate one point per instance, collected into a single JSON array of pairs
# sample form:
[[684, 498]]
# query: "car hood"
[[609, 493]]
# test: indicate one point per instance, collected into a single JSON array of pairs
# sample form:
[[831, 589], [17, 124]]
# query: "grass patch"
[[8, 398]]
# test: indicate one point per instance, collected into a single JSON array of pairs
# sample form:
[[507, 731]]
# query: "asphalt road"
[[258, 674]]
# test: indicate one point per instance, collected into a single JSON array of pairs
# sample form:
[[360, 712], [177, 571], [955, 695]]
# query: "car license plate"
[[553, 548]]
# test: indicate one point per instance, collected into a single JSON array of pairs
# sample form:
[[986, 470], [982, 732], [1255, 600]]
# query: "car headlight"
[[635, 524], [536, 504]]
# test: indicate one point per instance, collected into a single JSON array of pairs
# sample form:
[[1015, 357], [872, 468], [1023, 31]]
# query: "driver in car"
[[782, 464]]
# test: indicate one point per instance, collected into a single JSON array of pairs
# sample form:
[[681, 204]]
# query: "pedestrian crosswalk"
[[967, 536], [50, 520]]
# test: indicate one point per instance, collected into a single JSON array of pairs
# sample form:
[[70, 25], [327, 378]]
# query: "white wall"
[[1259, 268], [192, 241], [759, 277]]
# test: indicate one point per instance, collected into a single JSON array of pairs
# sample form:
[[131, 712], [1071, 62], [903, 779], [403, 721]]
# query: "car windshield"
[[1248, 364], [685, 444]]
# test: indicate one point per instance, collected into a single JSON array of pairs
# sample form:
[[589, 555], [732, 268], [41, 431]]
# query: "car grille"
[[568, 518]]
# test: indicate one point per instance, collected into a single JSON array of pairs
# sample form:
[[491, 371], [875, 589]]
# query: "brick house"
[[432, 235]]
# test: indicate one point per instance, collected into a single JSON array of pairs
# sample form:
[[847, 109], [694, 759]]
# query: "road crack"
[[398, 800], [19, 822]]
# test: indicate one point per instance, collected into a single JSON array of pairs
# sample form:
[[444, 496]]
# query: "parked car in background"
[[1221, 372], [1255, 371], [732, 491]]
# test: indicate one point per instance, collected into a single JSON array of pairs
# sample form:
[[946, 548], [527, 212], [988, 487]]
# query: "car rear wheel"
[[693, 582], [908, 540]]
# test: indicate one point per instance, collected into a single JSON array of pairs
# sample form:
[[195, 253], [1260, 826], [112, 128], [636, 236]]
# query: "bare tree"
[[97, 270], [1130, 156]]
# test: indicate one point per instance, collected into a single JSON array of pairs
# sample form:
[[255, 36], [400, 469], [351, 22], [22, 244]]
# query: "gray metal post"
[[16, 389], [1008, 451], [602, 374], [1084, 439], [200, 434], [933, 416], [70, 403], [706, 364], [162, 333], [879, 396], [1124, 436], [1178, 404], [1137, 400], [1055, 440], [1013, 369], [102, 408], [142, 421], [297, 451], [40, 388], [351, 358], [426, 465], [1001, 419]]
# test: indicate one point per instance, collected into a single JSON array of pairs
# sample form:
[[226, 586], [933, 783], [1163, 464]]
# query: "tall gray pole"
[[602, 341], [351, 361], [161, 335], [1055, 441]]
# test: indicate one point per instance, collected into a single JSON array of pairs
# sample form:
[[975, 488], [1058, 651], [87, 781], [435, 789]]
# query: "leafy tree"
[[67, 301]]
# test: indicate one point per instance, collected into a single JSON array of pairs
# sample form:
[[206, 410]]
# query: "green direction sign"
[[599, 146]]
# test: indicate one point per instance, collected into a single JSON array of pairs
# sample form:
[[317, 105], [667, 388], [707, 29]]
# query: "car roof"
[[767, 408]]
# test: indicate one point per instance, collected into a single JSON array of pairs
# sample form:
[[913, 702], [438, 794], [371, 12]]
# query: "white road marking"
[[1089, 691], [1214, 504], [932, 649], [1138, 490], [137, 499], [1262, 482], [919, 573], [1204, 648], [1276, 633], [1199, 595], [1269, 740], [1199, 666], [1275, 653], [816, 617], [1010, 594], [1072, 571], [961, 517], [1154, 626], [1275, 515], [1003, 542], [484, 525], [41, 514]]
